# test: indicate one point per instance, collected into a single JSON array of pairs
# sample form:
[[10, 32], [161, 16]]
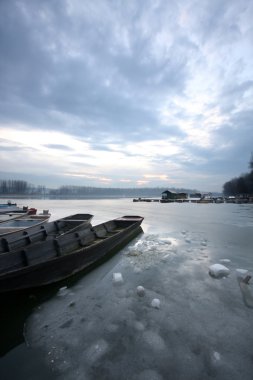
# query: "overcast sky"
[[126, 93]]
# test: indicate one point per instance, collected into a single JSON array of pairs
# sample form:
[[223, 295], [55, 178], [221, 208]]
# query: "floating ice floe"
[[155, 303], [218, 270], [117, 278], [140, 291]]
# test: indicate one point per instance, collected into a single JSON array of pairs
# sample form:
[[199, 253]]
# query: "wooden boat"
[[9, 207], [11, 216], [4, 217], [48, 262], [8, 203], [22, 224], [43, 231]]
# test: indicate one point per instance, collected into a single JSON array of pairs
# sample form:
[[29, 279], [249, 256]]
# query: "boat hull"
[[63, 267]]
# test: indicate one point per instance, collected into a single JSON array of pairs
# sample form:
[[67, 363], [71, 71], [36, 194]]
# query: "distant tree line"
[[19, 187], [242, 184], [89, 191]]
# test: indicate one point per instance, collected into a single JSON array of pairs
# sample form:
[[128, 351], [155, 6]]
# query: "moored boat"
[[11, 216], [54, 260], [4, 217], [22, 224], [44, 231]]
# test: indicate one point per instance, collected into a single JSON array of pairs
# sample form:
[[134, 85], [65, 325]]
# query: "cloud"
[[125, 90], [58, 146]]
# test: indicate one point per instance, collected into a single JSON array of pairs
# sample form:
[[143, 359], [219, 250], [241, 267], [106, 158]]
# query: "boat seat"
[[110, 226], [85, 236], [73, 241], [13, 243], [100, 231]]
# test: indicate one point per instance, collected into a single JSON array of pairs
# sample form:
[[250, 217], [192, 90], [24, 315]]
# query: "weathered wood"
[[100, 231], [11, 262], [46, 231], [39, 253], [52, 260], [110, 226]]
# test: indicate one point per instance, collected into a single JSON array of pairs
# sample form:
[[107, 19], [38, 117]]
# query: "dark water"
[[96, 329]]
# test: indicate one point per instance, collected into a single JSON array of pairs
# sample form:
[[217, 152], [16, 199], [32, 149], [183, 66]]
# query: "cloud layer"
[[152, 93]]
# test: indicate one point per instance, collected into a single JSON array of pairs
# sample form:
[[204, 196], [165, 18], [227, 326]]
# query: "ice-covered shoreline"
[[109, 327]]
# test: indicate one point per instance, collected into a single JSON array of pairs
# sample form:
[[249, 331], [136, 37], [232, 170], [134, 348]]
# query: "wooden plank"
[[11, 261], [100, 231], [39, 253], [110, 226]]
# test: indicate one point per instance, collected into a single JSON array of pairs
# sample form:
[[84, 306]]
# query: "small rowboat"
[[10, 207], [54, 260], [22, 224], [45, 231], [12, 216], [18, 214]]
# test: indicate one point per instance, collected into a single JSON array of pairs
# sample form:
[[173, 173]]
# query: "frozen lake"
[[165, 317]]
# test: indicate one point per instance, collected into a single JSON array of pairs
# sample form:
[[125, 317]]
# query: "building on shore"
[[173, 196]]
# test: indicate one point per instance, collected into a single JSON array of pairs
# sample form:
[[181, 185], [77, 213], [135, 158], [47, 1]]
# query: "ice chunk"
[[216, 356], [140, 291], [117, 278], [224, 261], [241, 272], [155, 303], [62, 291], [218, 270]]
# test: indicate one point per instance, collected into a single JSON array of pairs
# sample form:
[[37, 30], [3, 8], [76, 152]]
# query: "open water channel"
[[199, 327]]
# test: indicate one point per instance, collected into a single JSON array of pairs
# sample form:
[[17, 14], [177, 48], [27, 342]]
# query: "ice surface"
[[112, 333], [96, 351], [154, 340], [218, 270], [149, 374]]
